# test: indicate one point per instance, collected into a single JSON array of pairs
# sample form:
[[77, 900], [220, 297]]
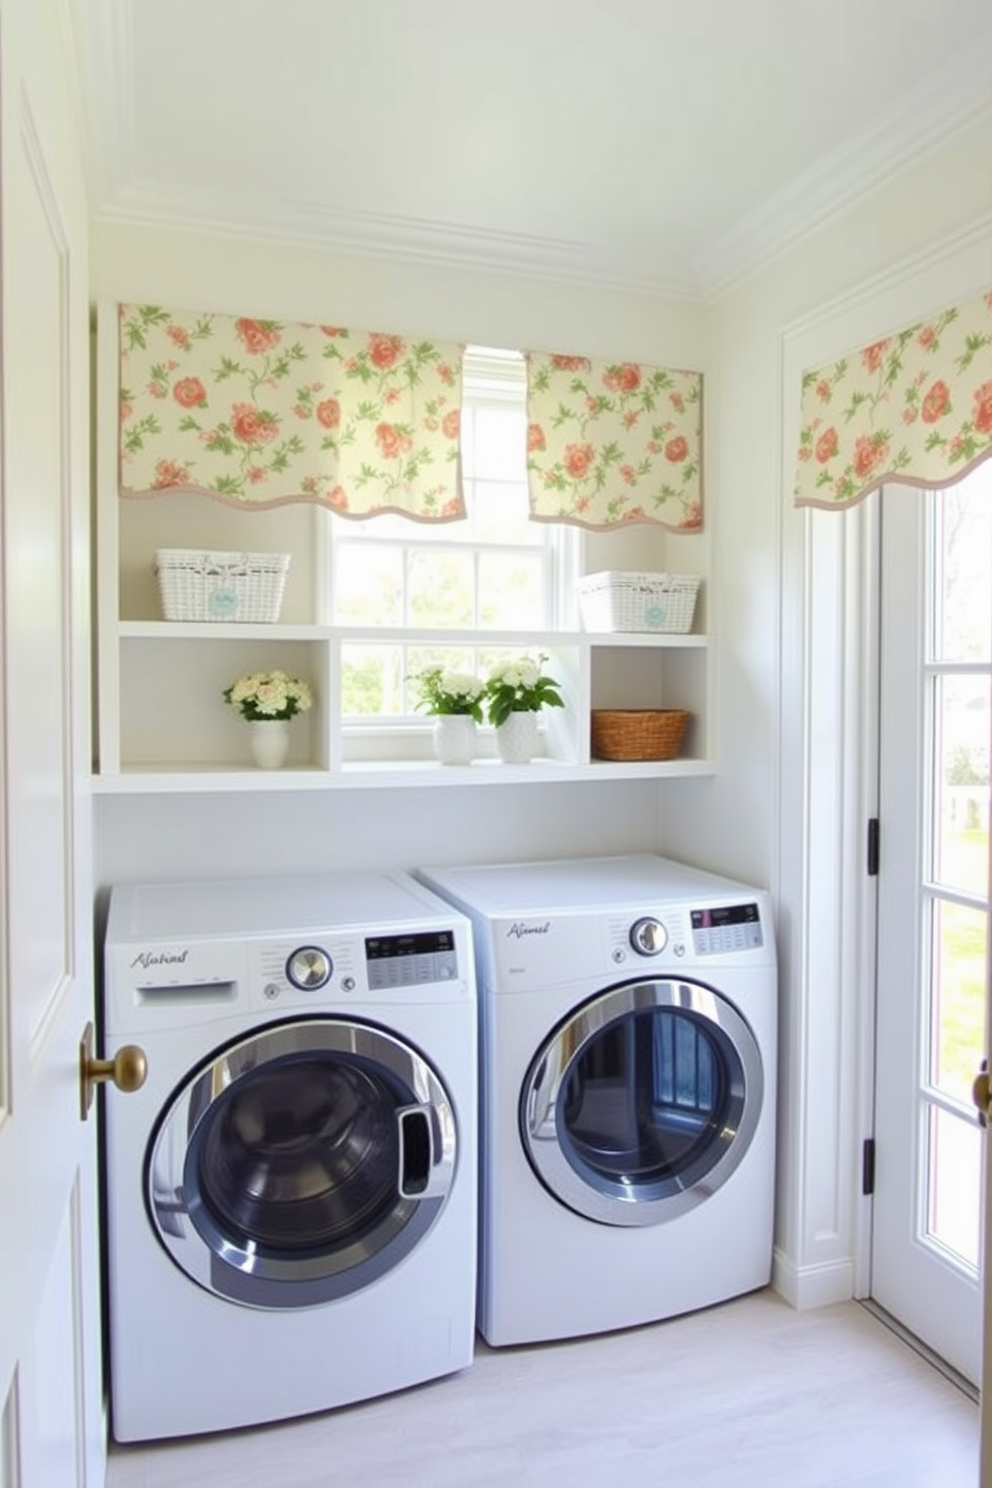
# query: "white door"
[[985, 1476], [934, 731], [51, 1417]]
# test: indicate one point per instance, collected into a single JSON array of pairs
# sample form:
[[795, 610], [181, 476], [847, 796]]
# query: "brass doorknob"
[[127, 1070], [981, 1092]]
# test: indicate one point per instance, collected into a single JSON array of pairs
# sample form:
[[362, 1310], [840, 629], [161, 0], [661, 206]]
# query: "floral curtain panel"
[[611, 443], [260, 412], [915, 407]]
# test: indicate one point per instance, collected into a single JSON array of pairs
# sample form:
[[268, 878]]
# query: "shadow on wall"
[[240, 834]]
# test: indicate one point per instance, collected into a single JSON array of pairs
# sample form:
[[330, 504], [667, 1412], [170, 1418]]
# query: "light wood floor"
[[750, 1394]]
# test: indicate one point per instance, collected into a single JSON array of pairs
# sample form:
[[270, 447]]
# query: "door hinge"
[[873, 847], [868, 1166]]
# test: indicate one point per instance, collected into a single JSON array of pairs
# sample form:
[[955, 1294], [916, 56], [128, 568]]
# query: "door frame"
[[825, 925]]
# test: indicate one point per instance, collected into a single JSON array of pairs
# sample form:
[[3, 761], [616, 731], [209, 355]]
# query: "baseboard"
[[812, 1286]]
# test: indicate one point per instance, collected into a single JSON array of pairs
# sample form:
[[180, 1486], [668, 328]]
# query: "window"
[[497, 571]]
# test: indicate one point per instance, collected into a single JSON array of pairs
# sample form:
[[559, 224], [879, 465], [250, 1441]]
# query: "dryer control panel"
[[726, 927], [656, 935], [418, 959], [672, 934]]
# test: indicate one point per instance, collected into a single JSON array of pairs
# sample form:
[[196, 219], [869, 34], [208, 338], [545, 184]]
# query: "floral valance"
[[609, 443], [260, 412], [915, 407]]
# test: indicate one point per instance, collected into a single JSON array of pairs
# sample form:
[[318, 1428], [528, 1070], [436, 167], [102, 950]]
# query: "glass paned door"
[[934, 731]]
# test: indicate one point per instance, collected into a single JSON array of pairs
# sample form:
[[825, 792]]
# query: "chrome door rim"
[[554, 1062], [194, 1240]]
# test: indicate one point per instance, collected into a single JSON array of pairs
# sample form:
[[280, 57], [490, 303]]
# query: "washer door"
[[301, 1163], [643, 1102]]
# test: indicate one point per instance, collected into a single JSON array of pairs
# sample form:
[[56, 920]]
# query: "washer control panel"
[[728, 927], [415, 959], [318, 969]]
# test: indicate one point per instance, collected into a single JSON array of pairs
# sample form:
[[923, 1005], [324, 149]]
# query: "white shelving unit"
[[164, 726], [162, 723]]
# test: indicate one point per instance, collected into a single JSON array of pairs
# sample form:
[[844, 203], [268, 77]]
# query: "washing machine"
[[628, 1043], [291, 1197]]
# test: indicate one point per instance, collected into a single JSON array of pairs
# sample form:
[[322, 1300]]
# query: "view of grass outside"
[[961, 642], [959, 975], [958, 1011]]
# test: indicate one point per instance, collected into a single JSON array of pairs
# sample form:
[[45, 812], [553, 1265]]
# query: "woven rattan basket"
[[198, 585], [638, 733]]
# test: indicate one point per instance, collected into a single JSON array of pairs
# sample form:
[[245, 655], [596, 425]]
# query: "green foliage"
[[444, 692], [959, 1027], [520, 687], [961, 768]]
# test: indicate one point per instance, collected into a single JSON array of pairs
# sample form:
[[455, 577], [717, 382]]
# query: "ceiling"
[[666, 146]]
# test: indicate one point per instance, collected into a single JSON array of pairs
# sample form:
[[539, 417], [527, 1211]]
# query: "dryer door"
[[643, 1102], [301, 1163]]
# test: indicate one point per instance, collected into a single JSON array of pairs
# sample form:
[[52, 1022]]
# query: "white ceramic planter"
[[516, 739], [269, 741], [454, 739]]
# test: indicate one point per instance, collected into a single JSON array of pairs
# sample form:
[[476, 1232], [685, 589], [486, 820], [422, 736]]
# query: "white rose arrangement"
[[268, 695]]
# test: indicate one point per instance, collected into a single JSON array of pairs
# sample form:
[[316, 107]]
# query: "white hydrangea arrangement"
[[268, 695], [444, 691], [520, 687]]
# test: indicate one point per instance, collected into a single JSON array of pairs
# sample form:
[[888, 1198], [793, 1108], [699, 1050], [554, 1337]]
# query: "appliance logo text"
[[517, 930], [145, 959]]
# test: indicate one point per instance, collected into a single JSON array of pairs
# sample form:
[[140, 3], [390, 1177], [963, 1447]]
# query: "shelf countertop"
[[160, 779], [191, 630]]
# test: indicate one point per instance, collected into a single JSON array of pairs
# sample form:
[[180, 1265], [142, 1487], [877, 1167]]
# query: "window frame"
[[492, 378]]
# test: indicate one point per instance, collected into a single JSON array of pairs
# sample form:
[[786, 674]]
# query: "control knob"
[[309, 968], [648, 937]]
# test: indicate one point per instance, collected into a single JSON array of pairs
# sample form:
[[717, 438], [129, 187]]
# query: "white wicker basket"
[[661, 602], [198, 585]]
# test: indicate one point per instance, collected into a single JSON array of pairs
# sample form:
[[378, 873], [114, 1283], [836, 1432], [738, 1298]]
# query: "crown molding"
[[101, 44], [967, 246], [955, 98], [378, 235]]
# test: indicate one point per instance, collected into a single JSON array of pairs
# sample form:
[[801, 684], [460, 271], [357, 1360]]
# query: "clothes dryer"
[[291, 1197], [628, 1036]]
